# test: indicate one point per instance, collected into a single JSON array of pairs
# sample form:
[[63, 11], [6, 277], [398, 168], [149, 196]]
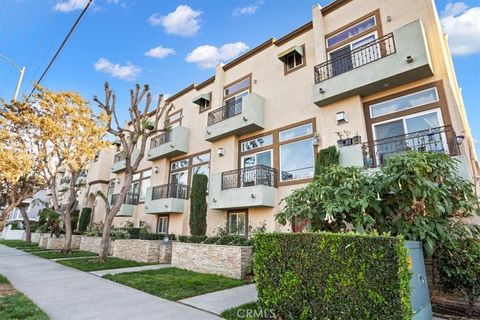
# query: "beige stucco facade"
[[287, 99]]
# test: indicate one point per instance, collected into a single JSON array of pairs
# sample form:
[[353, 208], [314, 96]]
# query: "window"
[[351, 31], [138, 188], [162, 226], [404, 102], [111, 188], [289, 150], [180, 170], [174, 119], [237, 223], [293, 60], [203, 105], [256, 143], [143, 190], [238, 86]]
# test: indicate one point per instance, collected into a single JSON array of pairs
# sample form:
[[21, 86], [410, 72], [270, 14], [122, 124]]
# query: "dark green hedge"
[[85, 218], [231, 240], [332, 276]]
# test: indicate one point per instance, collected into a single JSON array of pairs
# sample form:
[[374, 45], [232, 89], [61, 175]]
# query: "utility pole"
[[20, 76]]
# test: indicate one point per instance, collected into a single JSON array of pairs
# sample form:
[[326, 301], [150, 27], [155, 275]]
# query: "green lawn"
[[249, 311], [58, 254], [174, 284], [34, 249], [18, 244], [17, 306], [92, 264]]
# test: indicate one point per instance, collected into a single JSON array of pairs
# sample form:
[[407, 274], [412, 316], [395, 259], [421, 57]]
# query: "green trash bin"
[[419, 285]]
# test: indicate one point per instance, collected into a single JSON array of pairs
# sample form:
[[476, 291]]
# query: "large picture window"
[[404, 102], [352, 31], [289, 150], [182, 171]]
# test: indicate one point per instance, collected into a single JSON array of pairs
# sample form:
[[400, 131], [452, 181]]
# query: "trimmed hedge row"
[[231, 240], [332, 276]]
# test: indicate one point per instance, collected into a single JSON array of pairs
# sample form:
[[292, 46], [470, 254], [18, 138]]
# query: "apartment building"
[[373, 77]]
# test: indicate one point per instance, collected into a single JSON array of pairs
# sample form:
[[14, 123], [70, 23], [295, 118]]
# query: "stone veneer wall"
[[55, 243], [92, 244], [36, 237], [229, 261], [42, 241], [142, 250]]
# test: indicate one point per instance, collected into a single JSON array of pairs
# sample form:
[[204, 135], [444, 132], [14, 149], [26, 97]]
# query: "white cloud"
[[240, 11], [70, 5], [208, 56], [159, 52], [184, 21], [126, 72], [462, 24]]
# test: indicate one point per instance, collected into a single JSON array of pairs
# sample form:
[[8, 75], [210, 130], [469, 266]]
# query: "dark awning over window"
[[203, 96], [282, 56]]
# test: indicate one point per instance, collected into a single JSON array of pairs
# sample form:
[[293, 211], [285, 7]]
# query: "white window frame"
[[161, 221], [237, 214]]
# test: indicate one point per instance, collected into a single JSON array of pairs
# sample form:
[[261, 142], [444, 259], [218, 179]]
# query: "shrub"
[[211, 240], [85, 218], [459, 270], [95, 230], [74, 219], [332, 276], [198, 205], [325, 158]]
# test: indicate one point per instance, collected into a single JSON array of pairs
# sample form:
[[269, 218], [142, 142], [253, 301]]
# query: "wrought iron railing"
[[160, 139], [171, 190], [119, 157], [227, 111], [441, 139], [370, 52], [251, 176], [131, 198]]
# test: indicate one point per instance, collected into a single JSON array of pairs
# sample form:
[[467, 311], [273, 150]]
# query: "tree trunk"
[[67, 220], [26, 222], [469, 306], [104, 245]]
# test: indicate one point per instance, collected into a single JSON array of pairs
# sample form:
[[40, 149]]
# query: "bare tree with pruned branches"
[[144, 123]]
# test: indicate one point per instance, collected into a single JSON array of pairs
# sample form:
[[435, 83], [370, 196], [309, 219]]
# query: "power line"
[[61, 46]]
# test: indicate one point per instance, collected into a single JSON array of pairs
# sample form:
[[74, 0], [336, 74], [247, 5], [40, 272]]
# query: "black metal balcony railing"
[[160, 139], [131, 198], [119, 157], [227, 111], [171, 190], [65, 180], [370, 52], [441, 139], [251, 176]]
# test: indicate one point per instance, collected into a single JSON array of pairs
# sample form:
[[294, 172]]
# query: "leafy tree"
[[459, 270], [143, 125], [198, 205], [417, 195]]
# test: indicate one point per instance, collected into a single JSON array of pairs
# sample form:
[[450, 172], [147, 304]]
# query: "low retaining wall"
[[36, 237], [43, 239], [441, 300], [92, 244], [143, 250], [55, 243], [229, 261]]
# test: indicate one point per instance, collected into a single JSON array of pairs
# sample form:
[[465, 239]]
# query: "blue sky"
[[171, 44]]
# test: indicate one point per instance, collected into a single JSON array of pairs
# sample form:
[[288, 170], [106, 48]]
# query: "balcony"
[[243, 116], [393, 60], [243, 188], [169, 144], [119, 161], [127, 208], [167, 198], [441, 140], [64, 184], [82, 178]]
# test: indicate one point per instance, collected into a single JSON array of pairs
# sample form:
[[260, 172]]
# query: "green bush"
[[233, 240], [74, 219], [325, 158], [459, 270], [332, 276], [85, 218], [198, 205]]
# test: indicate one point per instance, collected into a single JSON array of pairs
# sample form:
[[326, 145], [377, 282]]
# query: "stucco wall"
[[228, 261]]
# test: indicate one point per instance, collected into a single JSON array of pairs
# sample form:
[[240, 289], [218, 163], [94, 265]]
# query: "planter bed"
[[153, 251]]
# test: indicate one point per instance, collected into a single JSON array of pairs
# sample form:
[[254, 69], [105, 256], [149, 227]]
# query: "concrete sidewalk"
[[219, 301], [68, 294]]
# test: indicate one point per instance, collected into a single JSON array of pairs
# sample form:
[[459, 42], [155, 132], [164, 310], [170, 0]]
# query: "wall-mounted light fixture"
[[321, 91], [316, 139], [156, 169], [389, 18], [460, 139], [221, 152], [117, 181], [409, 59], [342, 117], [253, 195]]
